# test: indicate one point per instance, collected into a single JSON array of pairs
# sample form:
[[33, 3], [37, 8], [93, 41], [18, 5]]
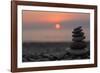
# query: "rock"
[[78, 45], [77, 31], [66, 57], [32, 59], [43, 59], [78, 34], [58, 55], [34, 56], [78, 39], [24, 60], [49, 56], [78, 28], [77, 52], [45, 55]]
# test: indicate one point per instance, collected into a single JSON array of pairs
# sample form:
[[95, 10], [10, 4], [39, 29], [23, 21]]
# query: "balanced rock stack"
[[78, 45], [78, 37]]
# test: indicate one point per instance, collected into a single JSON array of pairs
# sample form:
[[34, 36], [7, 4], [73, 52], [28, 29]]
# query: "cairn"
[[78, 46]]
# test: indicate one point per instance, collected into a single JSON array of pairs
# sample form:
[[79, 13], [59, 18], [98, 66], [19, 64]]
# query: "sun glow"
[[58, 26]]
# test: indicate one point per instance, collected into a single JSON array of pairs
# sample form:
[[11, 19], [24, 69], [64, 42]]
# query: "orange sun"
[[58, 26]]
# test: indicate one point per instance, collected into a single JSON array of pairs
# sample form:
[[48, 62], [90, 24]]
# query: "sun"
[[57, 26]]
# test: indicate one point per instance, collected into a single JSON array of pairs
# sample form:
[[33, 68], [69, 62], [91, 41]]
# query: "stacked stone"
[[78, 47], [78, 39]]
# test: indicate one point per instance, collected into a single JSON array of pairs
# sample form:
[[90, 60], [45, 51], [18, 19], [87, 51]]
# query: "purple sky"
[[39, 26]]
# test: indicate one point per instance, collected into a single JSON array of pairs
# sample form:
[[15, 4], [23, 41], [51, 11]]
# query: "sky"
[[46, 26]]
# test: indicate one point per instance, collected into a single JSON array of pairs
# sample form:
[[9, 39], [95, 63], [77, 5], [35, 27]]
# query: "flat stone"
[[78, 39], [78, 45], [78, 28], [49, 56], [78, 34], [77, 31], [43, 59], [59, 55], [78, 51]]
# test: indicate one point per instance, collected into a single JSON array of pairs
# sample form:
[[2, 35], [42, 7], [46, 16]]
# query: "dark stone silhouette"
[[78, 39], [78, 46]]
